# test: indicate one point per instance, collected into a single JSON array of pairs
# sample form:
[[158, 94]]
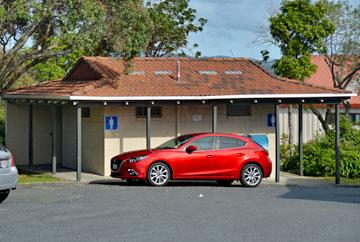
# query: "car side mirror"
[[190, 149]]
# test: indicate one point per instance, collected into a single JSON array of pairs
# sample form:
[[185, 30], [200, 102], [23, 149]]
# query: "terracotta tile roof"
[[108, 77], [322, 77]]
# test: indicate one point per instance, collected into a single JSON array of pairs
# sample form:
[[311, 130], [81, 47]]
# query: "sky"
[[232, 28]]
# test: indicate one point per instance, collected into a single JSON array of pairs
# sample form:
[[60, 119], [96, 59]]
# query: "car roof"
[[222, 134]]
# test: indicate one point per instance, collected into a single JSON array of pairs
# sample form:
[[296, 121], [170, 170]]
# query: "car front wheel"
[[4, 194], [251, 175], [158, 174]]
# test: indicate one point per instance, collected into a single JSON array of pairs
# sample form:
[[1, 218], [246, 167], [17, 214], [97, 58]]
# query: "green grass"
[[26, 177]]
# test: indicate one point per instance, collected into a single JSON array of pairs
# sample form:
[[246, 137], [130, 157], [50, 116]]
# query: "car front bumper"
[[130, 171], [9, 179]]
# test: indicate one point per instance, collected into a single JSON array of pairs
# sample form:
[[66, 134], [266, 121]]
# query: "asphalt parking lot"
[[180, 212]]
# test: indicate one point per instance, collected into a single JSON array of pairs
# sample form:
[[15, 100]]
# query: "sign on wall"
[[111, 122], [271, 120], [196, 117]]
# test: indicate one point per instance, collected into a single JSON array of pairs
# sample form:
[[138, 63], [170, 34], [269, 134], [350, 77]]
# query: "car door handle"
[[210, 156], [240, 154]]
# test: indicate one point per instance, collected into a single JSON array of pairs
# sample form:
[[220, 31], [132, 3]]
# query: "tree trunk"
[[325, 122], [290, 122]]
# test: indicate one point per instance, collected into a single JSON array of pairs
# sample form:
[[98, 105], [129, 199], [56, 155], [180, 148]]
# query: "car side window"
[[229, 142], [206, 143]]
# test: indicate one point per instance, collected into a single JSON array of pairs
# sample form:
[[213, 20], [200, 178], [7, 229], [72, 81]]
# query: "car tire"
[[251, 175], [158, 174], [4, 194], [225, 183]]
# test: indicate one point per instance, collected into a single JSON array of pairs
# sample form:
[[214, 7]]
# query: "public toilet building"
[[105, 106]]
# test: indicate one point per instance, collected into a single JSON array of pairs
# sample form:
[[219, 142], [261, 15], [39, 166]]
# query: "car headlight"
[[137, 159]]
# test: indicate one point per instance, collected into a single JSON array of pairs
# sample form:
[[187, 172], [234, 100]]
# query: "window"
[[206, 143], [228, 142], [85, 112], [355, 118], [156, 112], [235, 110]]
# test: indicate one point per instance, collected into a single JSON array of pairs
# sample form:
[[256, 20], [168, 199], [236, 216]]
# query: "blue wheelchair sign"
[[111, 122]]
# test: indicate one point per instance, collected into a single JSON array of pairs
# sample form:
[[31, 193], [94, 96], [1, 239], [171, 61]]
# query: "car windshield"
[[175, 142]]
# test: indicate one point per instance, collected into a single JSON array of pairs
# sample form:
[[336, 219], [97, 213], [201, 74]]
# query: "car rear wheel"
[[4, 194], [251, 175], [158, 174], [225, 183]]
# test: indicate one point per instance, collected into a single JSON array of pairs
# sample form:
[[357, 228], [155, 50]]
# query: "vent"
[[208, 72], [136, 72], [233, 72], [161, 72]]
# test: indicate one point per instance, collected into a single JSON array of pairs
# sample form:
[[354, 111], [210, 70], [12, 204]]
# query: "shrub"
[[319, 154]]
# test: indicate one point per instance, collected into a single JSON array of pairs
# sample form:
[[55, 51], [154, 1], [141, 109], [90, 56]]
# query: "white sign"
[[196, 117]]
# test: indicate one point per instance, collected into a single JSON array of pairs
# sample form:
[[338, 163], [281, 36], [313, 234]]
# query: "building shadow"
[[326, 193]]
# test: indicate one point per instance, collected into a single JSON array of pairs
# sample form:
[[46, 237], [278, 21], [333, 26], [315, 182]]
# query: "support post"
[[177, 120], [78, 143], [277, 145], [31, 154], [214, 118], [54, 143], [337, 142], [148, 127], [300, 141]]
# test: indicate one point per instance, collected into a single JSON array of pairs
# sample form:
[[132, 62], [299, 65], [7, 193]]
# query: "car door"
[[229, 153], [200, 163]]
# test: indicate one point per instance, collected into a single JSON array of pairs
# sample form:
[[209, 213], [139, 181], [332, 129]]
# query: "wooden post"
[[337, 143], [300, 142], [78, 143], [31, 153], [148, 127], [214, 118], [277, 146], [54, 143]]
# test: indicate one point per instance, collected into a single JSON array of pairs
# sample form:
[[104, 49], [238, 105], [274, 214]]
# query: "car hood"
[[132, 154]]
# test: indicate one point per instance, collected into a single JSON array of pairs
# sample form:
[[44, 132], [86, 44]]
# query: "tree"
[[127, 30], [328, 28], [34, 31], [172, 21], [299, 29], [342, 52]]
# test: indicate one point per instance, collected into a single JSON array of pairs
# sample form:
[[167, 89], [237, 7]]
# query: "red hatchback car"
[[220, 157]]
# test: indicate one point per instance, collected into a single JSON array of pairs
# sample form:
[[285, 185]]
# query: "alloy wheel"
[[159, 174], [251, 175]]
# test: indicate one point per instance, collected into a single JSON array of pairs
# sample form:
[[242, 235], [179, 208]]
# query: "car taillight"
[[12, 161]]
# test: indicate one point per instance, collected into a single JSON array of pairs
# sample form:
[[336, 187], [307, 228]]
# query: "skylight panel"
[[207, 72], [163, 72], [136, 72], [233, 72]]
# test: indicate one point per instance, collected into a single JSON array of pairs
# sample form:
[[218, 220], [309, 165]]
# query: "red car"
[[220, 157]]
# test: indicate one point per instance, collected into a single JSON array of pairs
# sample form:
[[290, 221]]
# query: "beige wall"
[[42, 139], [17, 130], [69, 137], [93, 142], [131, 132], [17, 133], [100, 145]]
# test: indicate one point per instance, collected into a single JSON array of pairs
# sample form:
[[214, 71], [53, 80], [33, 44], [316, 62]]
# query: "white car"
[[8, 173]]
